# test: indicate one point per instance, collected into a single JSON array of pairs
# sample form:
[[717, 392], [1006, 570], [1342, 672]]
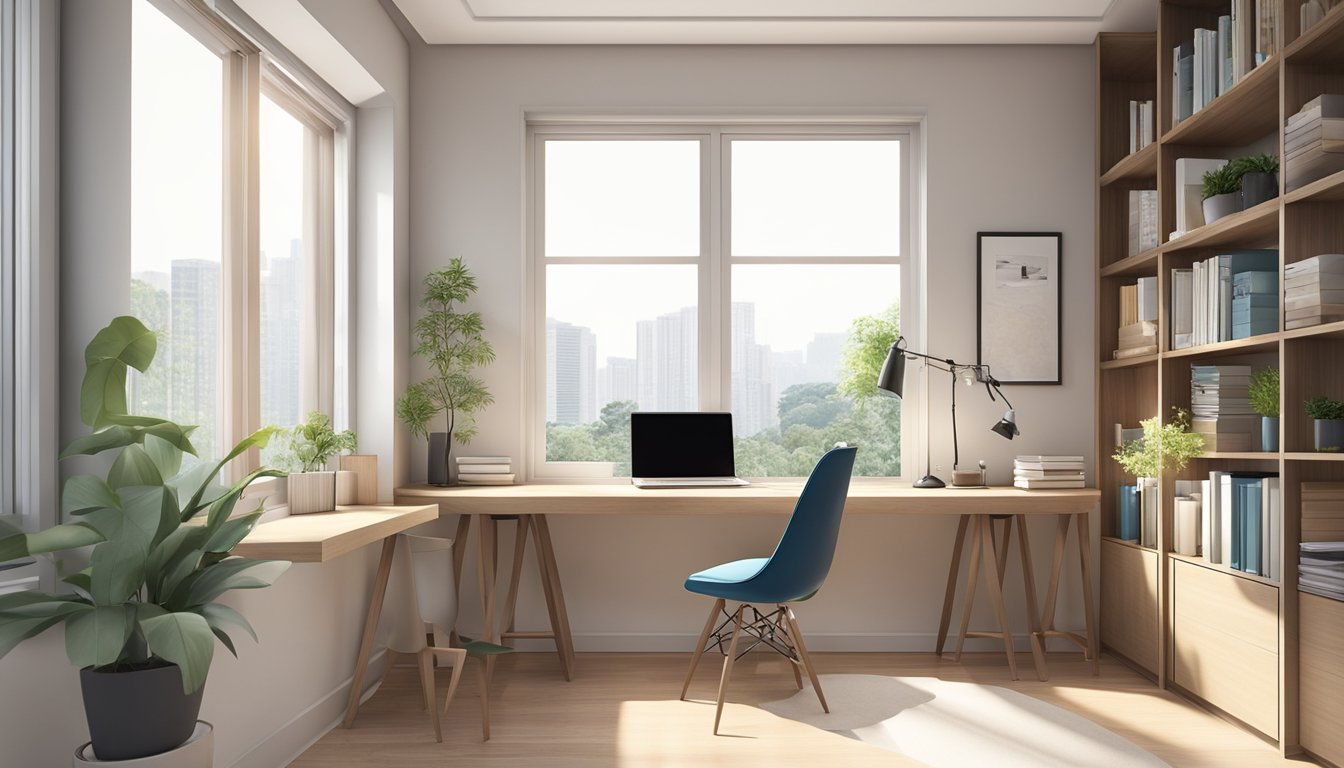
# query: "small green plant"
[[1323, 408], [1222, 181], [1264, 392], [1255, 164], [1163, 446], [314, 442]]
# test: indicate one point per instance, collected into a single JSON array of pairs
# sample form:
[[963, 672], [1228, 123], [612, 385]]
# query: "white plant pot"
[[347, 487], [197, 752], [312, 492]]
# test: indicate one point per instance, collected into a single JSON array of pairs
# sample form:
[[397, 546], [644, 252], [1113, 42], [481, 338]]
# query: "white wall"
[[1009, 147]]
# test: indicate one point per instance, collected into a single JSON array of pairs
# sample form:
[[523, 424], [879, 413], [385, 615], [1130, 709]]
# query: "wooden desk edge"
[[331, 547]]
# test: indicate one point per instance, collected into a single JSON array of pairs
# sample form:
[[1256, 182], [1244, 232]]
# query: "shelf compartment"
[[1329, 188], [1247, 112], [1265, 342], [1130, 614], [1139, 265], [1139, 165], [1323, 43], [1248, 228], [1321, 640]]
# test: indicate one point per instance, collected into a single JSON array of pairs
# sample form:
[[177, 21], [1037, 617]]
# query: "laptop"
[[682, 450]]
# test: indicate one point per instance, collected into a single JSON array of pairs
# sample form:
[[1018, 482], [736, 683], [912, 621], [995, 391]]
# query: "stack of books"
[[1220, 407], [1314, 291], [1322, 511], [1140, 124], [1142, 220], [484, 470], [1038, 472], [1255, 303], [1138, 319], [1320, 569], [1242, 527], [1313, 141], [1216, 59], [1211, 293]]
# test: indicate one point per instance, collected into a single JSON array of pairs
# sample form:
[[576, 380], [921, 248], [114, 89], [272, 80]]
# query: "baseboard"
[[914, 642], [292, 738]]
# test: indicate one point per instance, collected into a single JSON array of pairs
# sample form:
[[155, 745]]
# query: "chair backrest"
[[803, 556], [421, 591]]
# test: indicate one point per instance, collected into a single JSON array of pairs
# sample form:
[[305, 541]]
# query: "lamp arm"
[[947, 364]]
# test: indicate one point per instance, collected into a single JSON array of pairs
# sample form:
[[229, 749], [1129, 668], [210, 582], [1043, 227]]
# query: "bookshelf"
[[1253, 648]]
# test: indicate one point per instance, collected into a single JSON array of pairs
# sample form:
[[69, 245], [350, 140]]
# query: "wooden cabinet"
[[1129, 622], [1321, 633]]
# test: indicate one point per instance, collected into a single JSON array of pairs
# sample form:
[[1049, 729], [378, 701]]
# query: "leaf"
[[184, 639], [96, 638], [133, 466], [257, 439], [81, 581], [15, 631], [225, 640], [124, 342], [174, 559], [232, 532], [102, 440], [234, 573], [54, 539], [117, 569], [167, 457], [152, 510], [36, 605], [220, 615], [84, 493]]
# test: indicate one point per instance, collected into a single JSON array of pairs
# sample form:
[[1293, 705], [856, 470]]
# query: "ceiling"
[[772, 21]]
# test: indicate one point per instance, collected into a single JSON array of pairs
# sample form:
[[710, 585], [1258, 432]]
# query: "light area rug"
[[949, 725]]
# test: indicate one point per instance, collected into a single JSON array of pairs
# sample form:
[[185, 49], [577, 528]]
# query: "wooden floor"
[[622, 710]]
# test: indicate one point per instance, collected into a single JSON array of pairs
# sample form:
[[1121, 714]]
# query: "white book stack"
[[1314, 291], [485, 470], [1043, 472], [1321, 568]]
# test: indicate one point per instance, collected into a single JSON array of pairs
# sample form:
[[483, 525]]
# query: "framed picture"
[[1020, 299]]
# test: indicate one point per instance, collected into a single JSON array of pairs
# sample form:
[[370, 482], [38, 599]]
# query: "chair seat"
[[730, 581]]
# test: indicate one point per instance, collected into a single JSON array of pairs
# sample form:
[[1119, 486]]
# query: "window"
[[235, 197], [8, 250], [716, 268]]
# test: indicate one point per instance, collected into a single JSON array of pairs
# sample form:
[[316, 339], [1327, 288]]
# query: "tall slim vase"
[[440, 453]]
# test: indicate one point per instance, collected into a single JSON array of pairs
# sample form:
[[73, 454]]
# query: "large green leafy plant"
[[314, 442], [160, 535], [451, 343]]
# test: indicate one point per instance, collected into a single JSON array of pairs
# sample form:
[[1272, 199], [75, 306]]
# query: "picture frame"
[[1019, 306]]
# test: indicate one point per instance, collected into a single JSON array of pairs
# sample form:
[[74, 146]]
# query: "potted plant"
[[1264, 396], [1163, 447], [142, 619], [1221, 192], [451, 343], [312, 444], [1329, 422], [1259, 179]]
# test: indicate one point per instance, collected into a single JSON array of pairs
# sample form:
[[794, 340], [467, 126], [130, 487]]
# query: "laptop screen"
[[681, 444]]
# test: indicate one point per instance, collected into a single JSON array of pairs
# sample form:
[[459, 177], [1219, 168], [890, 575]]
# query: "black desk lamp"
[[892, 381]]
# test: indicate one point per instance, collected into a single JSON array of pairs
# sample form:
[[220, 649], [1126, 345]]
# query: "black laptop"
[[682, 450]]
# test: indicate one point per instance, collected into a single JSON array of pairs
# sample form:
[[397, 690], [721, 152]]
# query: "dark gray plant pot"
[[440, 454], [140, 713], [1269, 433], [1258, 187], [1330, 435], [1218, 206]]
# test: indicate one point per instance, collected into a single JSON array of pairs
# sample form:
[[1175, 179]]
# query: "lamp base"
[[929, 481]]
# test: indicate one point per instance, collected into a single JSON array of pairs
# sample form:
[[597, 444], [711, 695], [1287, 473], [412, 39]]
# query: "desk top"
[[324, 536], [866, 496]]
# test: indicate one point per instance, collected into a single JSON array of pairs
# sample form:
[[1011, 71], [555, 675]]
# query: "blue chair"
[[792, 574]]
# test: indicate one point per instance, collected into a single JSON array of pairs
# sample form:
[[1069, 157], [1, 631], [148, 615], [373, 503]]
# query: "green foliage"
[[1323, 408], [451, 343], [1264, 391], [312, 443], [870, 338], [160, 536], [1255, 164], [1221, 181], [1163, 446]]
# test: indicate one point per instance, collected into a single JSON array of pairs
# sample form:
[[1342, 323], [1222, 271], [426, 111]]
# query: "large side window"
[[715, 268]]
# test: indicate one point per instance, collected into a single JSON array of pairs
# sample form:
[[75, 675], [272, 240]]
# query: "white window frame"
[[714, 262]]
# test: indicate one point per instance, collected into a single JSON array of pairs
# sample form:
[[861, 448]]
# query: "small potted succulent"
[[1259, 179], [1329, 428], [1221, 192], [1264, 396], [1163, 447], [312, 444]]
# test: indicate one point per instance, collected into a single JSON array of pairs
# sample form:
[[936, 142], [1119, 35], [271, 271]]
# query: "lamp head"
[[891, 381], [1007, 426]]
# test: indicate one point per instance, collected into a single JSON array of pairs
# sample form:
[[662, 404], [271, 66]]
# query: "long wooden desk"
[[533, 503], [324, 536]]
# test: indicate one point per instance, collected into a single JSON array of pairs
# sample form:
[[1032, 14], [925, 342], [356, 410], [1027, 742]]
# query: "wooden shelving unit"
[[1238, 642]]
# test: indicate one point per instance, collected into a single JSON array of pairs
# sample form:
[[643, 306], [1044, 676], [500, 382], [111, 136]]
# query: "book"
[[1150, 497], [1147, 297], [1043, 459], [1048, 474], [1031, 484], [1182, 91], [1225, 80], [1266, 30], [485, 469], [1243, 37], [1186, 532], [1143, 230], [1128, 517], [1069, 465], [484, 460], [1122, 354], [466, 478], [1182, 310]]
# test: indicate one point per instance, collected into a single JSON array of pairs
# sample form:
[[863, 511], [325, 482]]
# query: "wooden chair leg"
[[426, 658], [459, 662], [700, 646], [958, 543], [996, 597], [519, 549], [389, 661], [728, 666], [806, 657], [972, 578], [484, 682]]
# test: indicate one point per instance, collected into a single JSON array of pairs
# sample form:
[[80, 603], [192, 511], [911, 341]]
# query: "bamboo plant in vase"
[[1163, 447], [451, 343]]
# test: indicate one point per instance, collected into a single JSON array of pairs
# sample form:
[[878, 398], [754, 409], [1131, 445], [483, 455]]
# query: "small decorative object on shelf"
[[451, 342], [1038, 472], [484, 470], [365, 468], [1329, 427], [1258, 178], [1264, 397], [1221, 193], [1168, 446], [312, 445]]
